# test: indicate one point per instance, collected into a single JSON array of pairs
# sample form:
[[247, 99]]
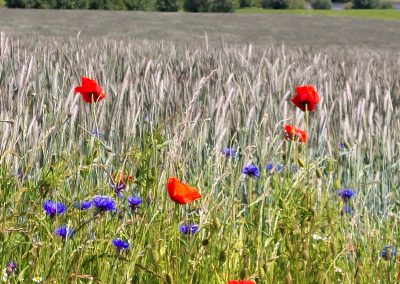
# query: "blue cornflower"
[[346, 194], [229, 152], [147, 117], [84, 205], [11, 268], [189, 229], [96, 132], [104, 203], [118, 188], [294, 169], [252, 171], [53, 208], [270, 167], [341, 146], [120, 244], [388, 252], [278, 167], [64, 232], [134, 201], [346, 209]]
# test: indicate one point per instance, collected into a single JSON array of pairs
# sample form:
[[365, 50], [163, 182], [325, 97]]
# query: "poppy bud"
[[261, 273], [305, 255], [216, 224], [288, 278], [222, 256], [243, 273], [301, 162], [246, 259], [205, 242], [156, 256], [265, 267], [336, 184], [168, 278], [319, 173], [347, 145]]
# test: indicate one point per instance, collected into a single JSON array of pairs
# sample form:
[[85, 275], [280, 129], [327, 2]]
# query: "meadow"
[[172, 112]]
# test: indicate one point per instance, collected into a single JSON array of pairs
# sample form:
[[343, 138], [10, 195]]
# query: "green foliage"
[[139, 5], [71, 4], [321, 4], [276, 4], [167, 5], [245, 3], [365, 4], [196, 6], [386, 5], [34, 4], [222, 6], [107, 5], [297, 4]]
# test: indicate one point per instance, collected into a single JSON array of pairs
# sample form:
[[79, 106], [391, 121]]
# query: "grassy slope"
[[371, 14]]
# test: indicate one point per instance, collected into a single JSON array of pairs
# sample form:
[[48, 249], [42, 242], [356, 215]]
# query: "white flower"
[[338, 269], [4, 275], [319, 238], [37, 279]]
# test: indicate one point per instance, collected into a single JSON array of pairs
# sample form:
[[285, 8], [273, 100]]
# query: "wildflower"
[[147, 117], [230, 152], [252, 171], [292, 133], [4, 275], [346, 209], [319, 238], [388, 252], [270, 167], [11, 267], [96, 132], [134, 201], [241, 282], [84, 205], [104, 203], [294, 169], [53, 208], [120, 244], [37, 279], [118, 188], [346, 194], [64, 232], [341, 146], [278, 167], [306, 98], [189, 229], [180, 192], [90, 90]]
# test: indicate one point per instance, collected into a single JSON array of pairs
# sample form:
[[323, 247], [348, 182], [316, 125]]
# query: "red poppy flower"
[[306, 96], [90, 90], [180, 192], [292, 133], [241, 282]]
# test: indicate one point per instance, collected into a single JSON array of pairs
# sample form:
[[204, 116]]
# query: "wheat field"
[[170, 111]]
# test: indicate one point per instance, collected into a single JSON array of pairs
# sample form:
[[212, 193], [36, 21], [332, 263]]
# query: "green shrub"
[[35, 4], [195, 5], [70, 4], [386, 5], [365, 4], [321, 4], [222, 6], [297, 4], [139, 5], [275, 4], [245, 3], [167, 5]]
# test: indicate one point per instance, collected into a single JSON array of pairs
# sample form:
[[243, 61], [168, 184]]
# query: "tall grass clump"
[[83, 186]]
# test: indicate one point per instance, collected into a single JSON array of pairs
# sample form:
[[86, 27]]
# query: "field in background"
[[170, 111], [390, 14], [313, 31]]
